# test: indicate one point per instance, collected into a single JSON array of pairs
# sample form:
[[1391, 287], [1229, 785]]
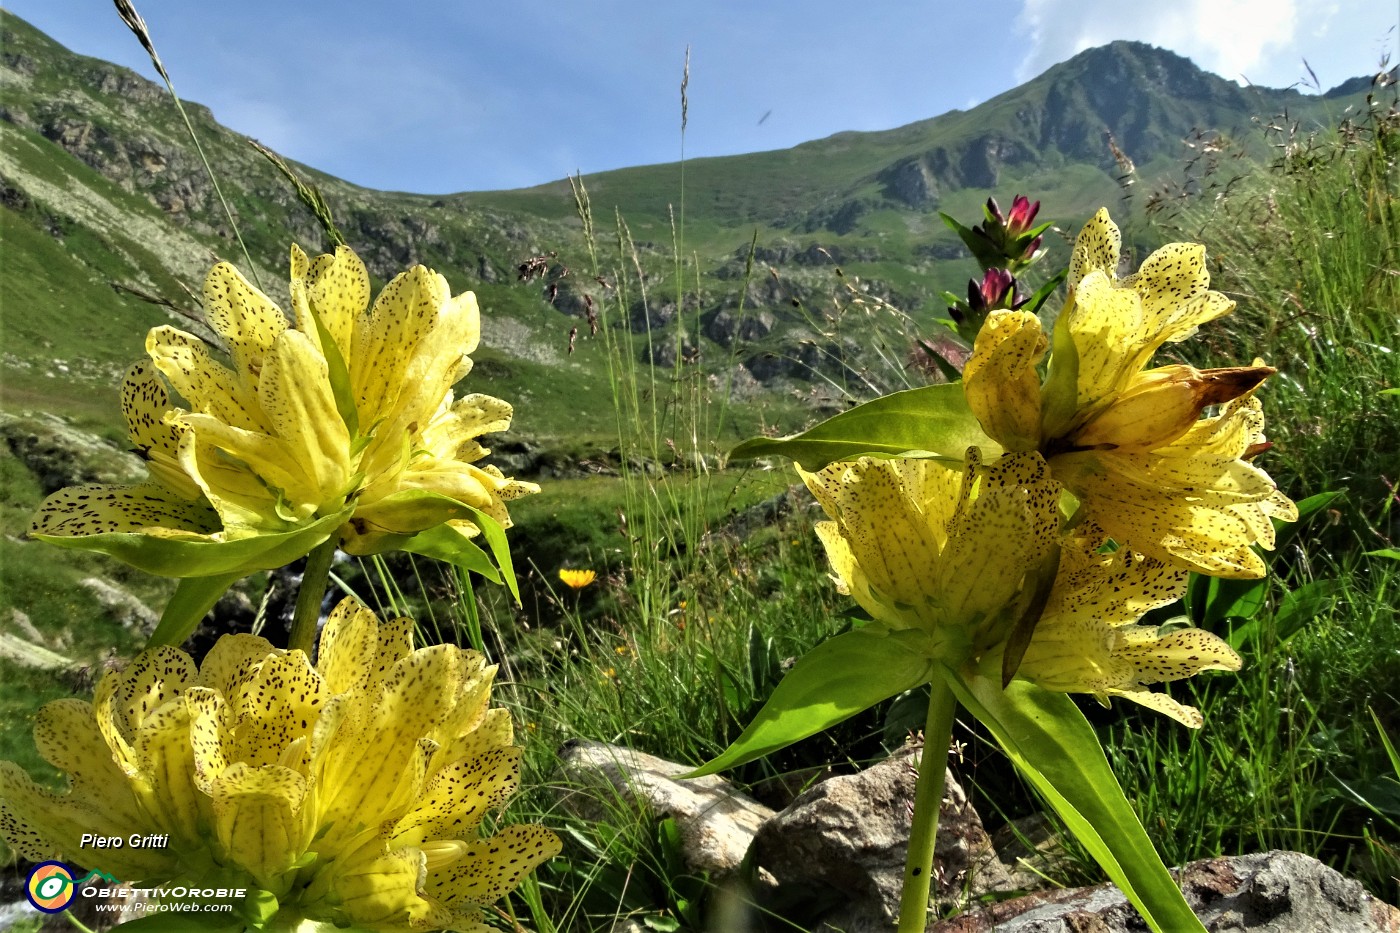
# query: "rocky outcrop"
[[60, 454], [849, 835], [916, 181], [120, 605], [1268, 892], [717, 822], [725, 326], [833, 859]]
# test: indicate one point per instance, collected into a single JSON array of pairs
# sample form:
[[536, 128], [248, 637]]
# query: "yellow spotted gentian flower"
[[350, 792], [947, 553], [1088, 639], [1006, 535], [338, 426], [1129, 442], [954, 555]]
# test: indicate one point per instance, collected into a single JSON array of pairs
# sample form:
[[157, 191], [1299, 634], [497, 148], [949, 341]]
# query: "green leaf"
[[338, 372], [1059, 397], [1303, 605], [932, 421], [1392, 552], [1232, 599], [1385, 742], [194, 597], [260, 906], [1054, 747], [447, 544], [1043, 293], [842, 676], [403, 512], [200, 557]]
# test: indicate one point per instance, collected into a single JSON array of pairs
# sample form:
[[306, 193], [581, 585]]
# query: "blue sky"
[[435, 97]]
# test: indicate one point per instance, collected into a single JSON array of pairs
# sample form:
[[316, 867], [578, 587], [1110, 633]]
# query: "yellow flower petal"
[[256, 819], [1186, 510], [276, 706], [850, 580], [337, 285], [493, 867], [1087, 640], [454, 802], [377, 742], [156, 678], [164, 760], [577, 579], [232, 662], [1095, 249], [67, 737], [1112, 589], [411, 349], [156, 440], [1178, 654], [1001, 382], [888, 535], [92, 510], [299, 404], [1188, 716], [1160, 405], [244, 317], [1006, 524], [209, 387], [378, 891], [349, 639], [1106, 323], [493, 731], [1174, 286], [42, 825]]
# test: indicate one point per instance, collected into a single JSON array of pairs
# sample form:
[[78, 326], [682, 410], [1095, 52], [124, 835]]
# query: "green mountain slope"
[[99, 184]]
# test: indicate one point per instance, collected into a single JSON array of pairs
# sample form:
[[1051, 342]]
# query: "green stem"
[[928, 796], [75, 923], [309, 596]]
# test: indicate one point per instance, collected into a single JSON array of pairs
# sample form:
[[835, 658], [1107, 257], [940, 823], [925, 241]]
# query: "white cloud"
[[1233, 38]]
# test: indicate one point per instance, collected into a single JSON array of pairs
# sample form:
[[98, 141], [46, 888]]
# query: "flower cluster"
[[352, 791], [1129, 442], [979, 557], [345, 413]]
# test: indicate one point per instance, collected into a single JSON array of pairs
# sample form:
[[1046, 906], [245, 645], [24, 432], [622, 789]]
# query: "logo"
[[50, 887]]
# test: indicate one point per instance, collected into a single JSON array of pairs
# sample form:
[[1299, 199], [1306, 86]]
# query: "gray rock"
[[126, 609], [1030, 850], [716, 822], [59, 455], [1268, 892], [34, 656], [849, 836], [15, 622], [911, 182], [724, 326]]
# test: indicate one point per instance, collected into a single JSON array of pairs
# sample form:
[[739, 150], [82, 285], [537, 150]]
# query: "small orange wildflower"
[[577, 579]]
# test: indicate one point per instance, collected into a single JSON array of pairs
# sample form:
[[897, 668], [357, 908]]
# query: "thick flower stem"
[[311, 593], [928, 796]]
